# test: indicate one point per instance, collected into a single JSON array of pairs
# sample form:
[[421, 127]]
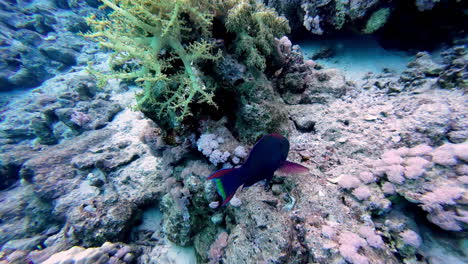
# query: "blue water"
[[357, 55]]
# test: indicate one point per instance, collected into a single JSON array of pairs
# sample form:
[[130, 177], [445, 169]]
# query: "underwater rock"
[[43, 131], [176, 222], [203, 242], [24, 244], [24, 215], [455, 75], [63, 55], [420, 70], [232, 71], [324, 86], [26, 26], [261, 112], [299, 82], [266, 226], [324, 53]]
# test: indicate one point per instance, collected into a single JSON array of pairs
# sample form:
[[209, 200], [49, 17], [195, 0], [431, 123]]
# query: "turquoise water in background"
[[357, 55]]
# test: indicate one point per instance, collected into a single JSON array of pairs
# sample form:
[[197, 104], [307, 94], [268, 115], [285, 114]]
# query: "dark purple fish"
[[267, 156]]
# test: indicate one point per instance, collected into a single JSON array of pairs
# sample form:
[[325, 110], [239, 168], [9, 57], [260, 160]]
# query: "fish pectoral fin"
[[288, 167]]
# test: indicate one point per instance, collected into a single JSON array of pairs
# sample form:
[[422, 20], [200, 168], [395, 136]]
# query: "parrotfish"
[[267, 156]]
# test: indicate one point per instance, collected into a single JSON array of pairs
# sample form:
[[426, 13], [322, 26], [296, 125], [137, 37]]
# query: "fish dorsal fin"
[[288, 167]]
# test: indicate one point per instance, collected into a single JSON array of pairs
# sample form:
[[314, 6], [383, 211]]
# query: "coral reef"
[[86, 178], [150, 39]]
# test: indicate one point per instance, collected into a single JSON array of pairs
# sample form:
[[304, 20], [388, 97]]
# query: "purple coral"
[[349, 246]]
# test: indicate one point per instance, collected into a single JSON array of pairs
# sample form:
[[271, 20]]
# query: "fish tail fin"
[[227, 181]]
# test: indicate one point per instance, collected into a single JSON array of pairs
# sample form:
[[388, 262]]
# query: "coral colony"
[[233, 131]]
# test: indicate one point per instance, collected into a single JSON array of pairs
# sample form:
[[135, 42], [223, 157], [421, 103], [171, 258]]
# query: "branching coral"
[[153, 37]]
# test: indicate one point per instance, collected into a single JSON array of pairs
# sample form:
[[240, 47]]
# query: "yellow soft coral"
[[152, 36]]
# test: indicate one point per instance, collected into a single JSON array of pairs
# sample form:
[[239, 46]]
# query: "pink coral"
[[411, 238], [351, 255], [392, 157], [388, 188], [413, 172], [461, 151], [403, 151], [418, 161], [463, 179], [445, 219], [366, 177], [80, 118], [371, 237], [444, 155], [462, 169], [352, 239], [216, 249], [420, 150], [347, 181], [362, 192], [442, 195], [349, 246], [395, 173]]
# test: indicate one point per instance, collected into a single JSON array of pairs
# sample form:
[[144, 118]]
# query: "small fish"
[[267, 156]]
